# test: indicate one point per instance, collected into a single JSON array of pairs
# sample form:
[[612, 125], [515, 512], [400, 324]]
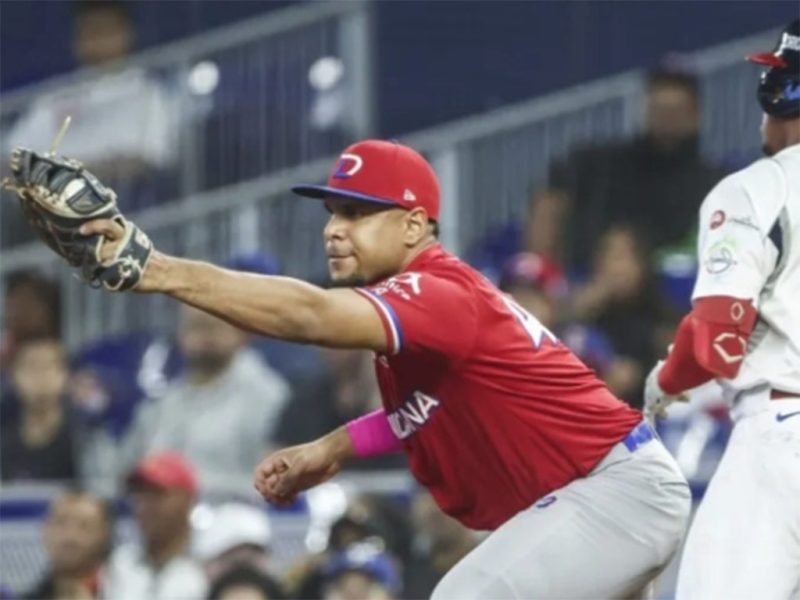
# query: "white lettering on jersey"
[[401, 285], [412, 415], [535, 330]]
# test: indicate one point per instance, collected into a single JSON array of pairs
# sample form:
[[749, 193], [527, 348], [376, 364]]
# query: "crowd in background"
[[150, 424], [162, 422]]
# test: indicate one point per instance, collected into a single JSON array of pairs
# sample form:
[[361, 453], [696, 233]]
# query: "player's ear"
[[416, 222]]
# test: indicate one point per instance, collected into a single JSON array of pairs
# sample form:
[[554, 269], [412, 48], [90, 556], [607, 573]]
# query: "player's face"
[[364, 242]]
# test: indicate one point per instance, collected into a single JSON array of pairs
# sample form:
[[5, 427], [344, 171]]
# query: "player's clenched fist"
[[281, 476]]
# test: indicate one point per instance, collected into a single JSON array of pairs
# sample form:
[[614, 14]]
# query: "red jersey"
[[494, 412]]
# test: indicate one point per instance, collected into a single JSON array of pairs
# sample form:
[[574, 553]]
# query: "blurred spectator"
[[163, 488], [363, 521], [548, 211], [296, 362], [124, 122], [655, 181], [246, 583], [622, 298], [541, 233], [362, 571], [32, 309], [539, 286], [77, 538], [347, 390], [39, 444], [221, 413], [239, 535], [440, 543]]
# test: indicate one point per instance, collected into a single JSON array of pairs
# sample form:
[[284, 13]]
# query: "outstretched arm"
[[280, 307]]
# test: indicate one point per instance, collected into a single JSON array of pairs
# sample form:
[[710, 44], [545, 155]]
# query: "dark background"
[[431, 55]]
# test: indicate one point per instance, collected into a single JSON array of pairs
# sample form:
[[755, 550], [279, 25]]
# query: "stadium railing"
[[487, 164], [226, 106]]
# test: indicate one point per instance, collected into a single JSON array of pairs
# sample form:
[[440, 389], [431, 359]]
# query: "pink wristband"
[[372, 436]]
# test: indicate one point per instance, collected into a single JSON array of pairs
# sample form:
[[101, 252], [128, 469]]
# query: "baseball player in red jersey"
[[507, 429]]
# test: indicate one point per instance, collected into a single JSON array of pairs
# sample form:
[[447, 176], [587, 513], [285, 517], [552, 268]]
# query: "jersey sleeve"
[[739, 245], [425, 313]]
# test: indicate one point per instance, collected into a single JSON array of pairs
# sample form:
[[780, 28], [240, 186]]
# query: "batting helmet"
[[779, 88]]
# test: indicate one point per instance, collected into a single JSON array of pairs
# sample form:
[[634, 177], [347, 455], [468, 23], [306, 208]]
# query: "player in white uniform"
[[744, 331]]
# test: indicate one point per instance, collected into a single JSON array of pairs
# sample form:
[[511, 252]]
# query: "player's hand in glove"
[[58, 196], [656, 400]]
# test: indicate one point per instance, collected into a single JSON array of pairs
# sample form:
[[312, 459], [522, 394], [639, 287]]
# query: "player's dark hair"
[[663, 76], [84, 7], [435, 229]]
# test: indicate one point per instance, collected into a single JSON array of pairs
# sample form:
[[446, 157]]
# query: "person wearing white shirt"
[[163, 488]]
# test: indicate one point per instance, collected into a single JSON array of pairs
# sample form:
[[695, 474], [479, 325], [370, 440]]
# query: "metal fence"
[[228, 106], [486, 164], [489, 163]]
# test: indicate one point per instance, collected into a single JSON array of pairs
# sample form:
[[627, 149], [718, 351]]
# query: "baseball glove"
[[58, 196]]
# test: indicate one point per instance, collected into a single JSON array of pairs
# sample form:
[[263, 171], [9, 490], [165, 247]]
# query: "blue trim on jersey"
[[776, 236], [395, 321]]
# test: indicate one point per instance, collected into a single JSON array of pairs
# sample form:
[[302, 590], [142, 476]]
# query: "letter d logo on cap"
[[349, 165]]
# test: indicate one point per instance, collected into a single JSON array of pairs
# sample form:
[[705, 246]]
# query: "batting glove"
[[656, 400]]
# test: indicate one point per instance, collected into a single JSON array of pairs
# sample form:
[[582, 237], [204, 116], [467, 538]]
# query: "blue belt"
[[639, 436]]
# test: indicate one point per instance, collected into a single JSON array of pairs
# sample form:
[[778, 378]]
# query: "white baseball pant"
[[744, 542], [603, 536]]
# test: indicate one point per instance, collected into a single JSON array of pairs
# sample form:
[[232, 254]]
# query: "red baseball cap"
[[536, 272], [381, 172], [166, 470]]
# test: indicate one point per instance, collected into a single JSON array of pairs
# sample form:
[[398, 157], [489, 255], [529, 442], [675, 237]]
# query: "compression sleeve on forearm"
[[711, 343], [371, 435], [681, 371]]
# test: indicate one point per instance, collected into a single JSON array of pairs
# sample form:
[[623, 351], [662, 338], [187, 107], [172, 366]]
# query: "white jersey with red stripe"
[[748, 248]]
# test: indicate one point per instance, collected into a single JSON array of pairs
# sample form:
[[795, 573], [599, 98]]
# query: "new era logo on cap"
[[382, 173]]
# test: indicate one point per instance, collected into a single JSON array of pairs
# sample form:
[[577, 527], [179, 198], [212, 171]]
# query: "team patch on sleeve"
[[720, 257]]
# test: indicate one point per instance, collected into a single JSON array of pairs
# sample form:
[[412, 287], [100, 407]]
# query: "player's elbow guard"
[[721, 330]]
